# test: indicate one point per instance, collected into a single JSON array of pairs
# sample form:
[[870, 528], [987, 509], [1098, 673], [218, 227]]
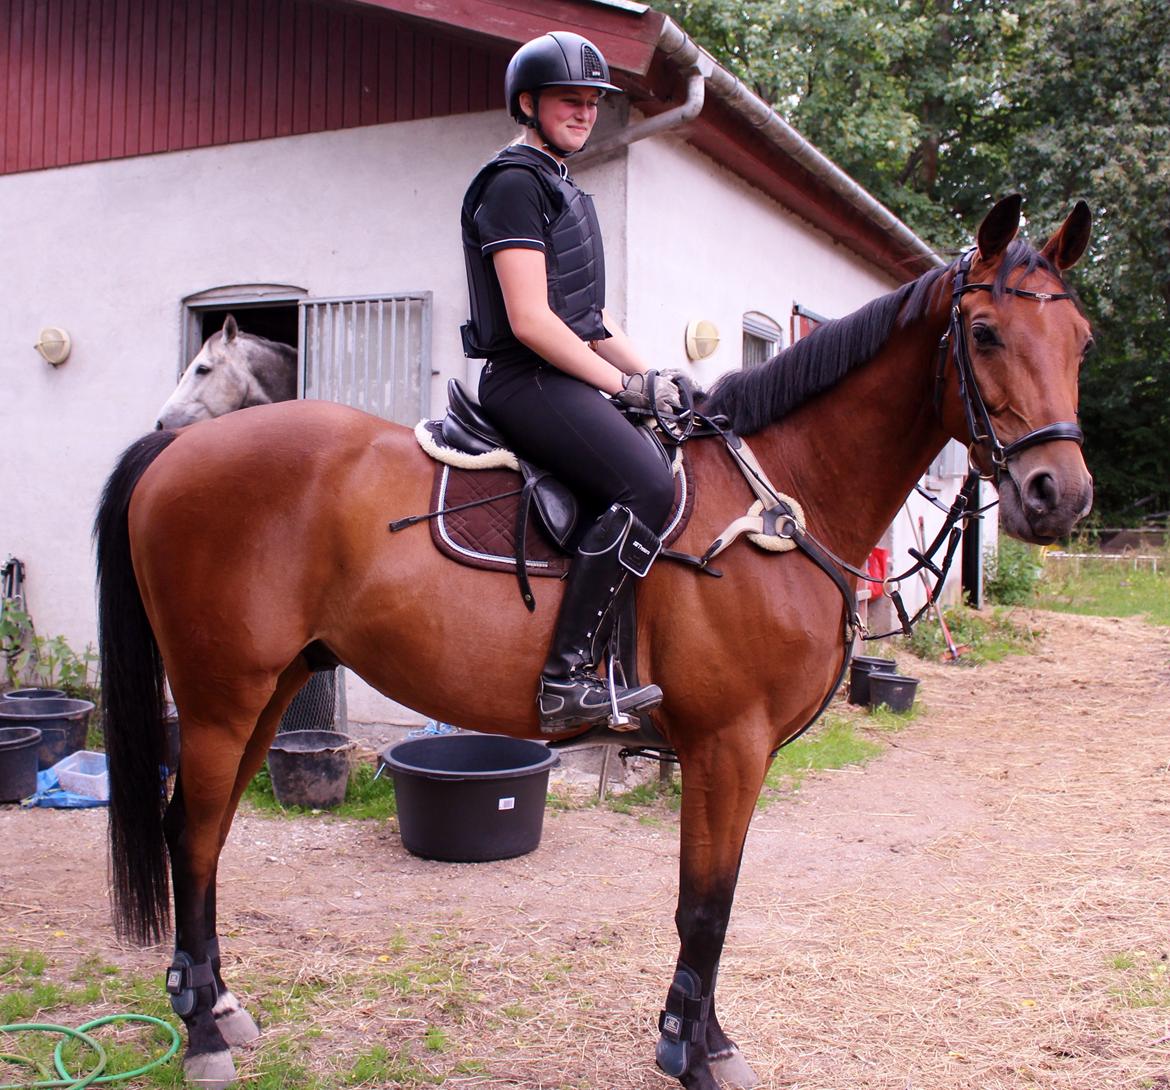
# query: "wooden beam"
[[626, 38]]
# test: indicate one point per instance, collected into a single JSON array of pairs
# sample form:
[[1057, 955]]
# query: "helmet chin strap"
[[534, 124]]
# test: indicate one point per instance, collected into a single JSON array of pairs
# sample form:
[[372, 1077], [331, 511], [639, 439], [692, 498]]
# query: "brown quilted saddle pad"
[[485, 536]]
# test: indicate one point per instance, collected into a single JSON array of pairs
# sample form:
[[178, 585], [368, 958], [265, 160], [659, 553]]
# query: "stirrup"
[[618, 720]]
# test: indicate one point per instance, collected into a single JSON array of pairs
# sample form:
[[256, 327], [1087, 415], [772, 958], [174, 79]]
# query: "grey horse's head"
[[231, 371]]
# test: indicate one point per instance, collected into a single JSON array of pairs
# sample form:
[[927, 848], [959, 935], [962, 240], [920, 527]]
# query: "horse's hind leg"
[[721, 782], [236, 1025], [192, 830]]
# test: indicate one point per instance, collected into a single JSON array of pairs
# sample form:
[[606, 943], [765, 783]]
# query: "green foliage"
[[985, 635], [368, 796], [1012, 572], [43, 661], [650, 794]]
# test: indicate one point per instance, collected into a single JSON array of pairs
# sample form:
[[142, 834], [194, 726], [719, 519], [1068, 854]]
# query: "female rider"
[[536, 279]]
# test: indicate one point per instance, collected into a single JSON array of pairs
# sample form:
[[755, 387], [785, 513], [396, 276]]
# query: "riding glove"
[[637, 389]]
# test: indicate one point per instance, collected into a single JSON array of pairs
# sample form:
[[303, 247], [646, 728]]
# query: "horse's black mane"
[[753, 399]]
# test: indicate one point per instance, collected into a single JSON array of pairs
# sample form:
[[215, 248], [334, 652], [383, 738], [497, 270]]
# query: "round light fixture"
[[702, 339], [54, 345]]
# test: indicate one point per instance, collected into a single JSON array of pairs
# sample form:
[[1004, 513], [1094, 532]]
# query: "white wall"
[[109, 250], [702, 243]]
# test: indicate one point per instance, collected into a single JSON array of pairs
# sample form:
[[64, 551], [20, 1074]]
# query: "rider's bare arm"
[[524, 283]]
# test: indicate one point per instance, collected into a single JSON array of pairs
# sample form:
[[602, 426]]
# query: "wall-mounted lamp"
[[702, 339], [54, 345]]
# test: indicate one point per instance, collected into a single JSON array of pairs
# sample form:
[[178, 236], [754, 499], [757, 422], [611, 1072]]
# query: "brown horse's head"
[[1025, 339]]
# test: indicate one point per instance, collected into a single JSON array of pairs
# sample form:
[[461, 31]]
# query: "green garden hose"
[[94, 1077]]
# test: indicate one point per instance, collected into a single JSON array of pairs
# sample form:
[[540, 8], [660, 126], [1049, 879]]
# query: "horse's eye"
[[203, 369], [984, 335]]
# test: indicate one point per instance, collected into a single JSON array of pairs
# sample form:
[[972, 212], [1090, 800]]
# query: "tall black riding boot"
[[617, 547]]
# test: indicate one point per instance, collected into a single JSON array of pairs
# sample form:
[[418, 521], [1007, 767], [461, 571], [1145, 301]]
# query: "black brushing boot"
[[571, 694]]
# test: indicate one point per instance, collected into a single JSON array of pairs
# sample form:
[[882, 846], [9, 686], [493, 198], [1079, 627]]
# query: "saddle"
[[495, 511]]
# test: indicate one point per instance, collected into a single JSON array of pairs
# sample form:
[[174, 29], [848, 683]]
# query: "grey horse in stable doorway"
[[232, 370]]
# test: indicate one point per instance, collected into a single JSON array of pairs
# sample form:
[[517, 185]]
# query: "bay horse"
[[232, 370], [232, 553]]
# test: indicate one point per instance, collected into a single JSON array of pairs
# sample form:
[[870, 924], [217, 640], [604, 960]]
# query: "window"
[[372, 353], [762, 339], [804, 321], [268, 310]]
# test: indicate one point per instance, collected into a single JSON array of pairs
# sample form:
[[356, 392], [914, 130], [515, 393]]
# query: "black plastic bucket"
[[860, 670], [895, 691], [18, 762], [62, 721], [310, 768], [33, 694], [469, 798]]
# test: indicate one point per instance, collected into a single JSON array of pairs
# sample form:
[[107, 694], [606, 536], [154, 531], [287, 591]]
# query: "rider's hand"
[[635, 393]]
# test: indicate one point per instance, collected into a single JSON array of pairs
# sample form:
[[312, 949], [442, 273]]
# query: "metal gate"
[[372, 353]]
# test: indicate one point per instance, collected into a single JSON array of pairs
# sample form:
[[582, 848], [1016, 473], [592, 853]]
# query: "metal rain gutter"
[[705, 73]]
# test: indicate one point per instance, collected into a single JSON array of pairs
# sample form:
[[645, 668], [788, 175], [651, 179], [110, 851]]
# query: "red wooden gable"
[[85, 80]]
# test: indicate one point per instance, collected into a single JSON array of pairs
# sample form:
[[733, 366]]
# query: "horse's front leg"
[[721, 782]]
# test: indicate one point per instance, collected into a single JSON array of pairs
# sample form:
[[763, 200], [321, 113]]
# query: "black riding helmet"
[[557, 59]]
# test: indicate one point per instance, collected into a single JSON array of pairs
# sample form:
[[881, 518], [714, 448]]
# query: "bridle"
[[979, 423]]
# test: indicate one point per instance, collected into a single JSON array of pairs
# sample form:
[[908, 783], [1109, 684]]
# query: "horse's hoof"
[[210, 1070], [233, 1022], [238, 1027], [734, 1070]]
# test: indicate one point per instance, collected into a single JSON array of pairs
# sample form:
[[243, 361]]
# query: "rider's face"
[[567, 115]]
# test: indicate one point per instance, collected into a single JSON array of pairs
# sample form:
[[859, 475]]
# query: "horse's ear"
[[230, 329], [999, 227], [1065, 247]]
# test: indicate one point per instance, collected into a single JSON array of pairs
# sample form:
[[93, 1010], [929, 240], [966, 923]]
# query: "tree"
[[1094, 122], [937, 106]]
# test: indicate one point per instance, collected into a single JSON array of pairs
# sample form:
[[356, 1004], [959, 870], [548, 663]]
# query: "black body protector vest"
[[573, 258]]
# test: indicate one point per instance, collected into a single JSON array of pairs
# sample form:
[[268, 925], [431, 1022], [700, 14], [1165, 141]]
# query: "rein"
[[979, 423]]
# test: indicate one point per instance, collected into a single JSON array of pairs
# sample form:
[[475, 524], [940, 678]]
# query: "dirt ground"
[[985, 906]]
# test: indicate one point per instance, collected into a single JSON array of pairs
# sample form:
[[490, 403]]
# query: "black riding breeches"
[[571, 429]]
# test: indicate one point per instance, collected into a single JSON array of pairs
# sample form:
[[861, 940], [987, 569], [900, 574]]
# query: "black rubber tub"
[[62, 721], [310, 768], [895, 691], [18, 762], [470, 798], [860, 670], [33, 694]]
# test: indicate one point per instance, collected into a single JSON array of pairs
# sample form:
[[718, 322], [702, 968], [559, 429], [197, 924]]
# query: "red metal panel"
[[105, 82], [368, 72], [404, 75], [120, 81], [387, 60], [335, 69], [132, 122], [268, 55], [285, 70], [303, 70]]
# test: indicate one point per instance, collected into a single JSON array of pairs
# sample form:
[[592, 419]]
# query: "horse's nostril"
[[158, 425], [1042, 493]]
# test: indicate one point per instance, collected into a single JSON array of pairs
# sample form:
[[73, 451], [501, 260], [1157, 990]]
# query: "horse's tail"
[[132, 708]]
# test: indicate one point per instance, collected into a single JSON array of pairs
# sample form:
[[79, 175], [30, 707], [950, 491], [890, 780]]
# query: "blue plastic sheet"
[[49, 792]]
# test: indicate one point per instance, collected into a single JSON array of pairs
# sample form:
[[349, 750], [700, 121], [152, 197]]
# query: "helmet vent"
[[592, 66]]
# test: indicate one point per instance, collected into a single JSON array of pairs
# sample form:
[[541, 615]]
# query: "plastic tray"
[[84, 773]]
